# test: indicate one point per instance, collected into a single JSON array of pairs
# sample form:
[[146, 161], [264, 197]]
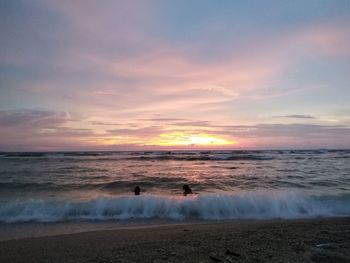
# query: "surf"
[[250, 205]]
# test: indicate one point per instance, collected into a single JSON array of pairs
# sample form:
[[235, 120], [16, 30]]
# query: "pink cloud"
[[112, 70], [328, 39]]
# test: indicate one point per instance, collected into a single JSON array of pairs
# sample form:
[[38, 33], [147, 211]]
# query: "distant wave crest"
[[251, 205]]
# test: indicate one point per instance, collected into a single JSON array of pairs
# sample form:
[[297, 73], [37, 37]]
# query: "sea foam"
[[249, 205]]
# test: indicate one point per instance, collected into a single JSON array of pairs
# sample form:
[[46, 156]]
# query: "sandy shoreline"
[[309, 240]]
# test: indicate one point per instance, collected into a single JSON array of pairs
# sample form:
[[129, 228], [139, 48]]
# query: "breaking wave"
[[250, 205]]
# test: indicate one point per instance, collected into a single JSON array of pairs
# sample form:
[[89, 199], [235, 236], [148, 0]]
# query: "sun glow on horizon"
[[187, 139], [174, 138]]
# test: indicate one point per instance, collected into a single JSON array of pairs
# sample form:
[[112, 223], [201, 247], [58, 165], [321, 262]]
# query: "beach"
[[297, 240]]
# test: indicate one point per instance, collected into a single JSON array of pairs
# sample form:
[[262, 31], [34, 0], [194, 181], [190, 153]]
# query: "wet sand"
[[311, 240]]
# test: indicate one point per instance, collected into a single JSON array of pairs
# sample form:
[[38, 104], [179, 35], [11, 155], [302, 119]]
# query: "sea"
[[52, 187]]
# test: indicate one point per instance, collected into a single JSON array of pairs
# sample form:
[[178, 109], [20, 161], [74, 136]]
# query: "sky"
[[164, 75]]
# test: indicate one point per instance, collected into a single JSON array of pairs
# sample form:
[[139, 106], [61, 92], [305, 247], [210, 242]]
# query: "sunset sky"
[[181, 74]]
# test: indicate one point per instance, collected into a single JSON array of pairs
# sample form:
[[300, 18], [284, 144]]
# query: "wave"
[[218, 157], [178, 155], [157, 156], [250, 205], [109, 185]]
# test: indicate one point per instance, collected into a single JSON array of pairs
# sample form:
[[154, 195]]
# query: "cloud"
[[295, 116], [289, 130], [163, 119], [30, 129], [119, 64], [66, 132], [142, 133], [33, 118], [170, 123], [103, 123], [164, 77], [267, 136], [327, 38], [56, 135]]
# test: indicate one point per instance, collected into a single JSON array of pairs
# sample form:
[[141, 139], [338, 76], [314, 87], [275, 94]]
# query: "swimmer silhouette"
[[137, 190], [187, 189]]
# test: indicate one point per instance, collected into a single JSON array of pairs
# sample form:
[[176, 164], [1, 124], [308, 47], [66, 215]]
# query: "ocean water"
[[98, 186]]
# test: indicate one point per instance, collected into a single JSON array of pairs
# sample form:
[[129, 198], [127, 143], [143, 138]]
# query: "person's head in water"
[[187, 189], [137, 190]]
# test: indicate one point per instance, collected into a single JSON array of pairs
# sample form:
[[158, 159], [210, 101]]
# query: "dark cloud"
[[180, 122], [62, 132], [163, 119], [30, 123], [103, 123], [195, 123], [142, 132], [285, 130], [296, 116], [34, 118]]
